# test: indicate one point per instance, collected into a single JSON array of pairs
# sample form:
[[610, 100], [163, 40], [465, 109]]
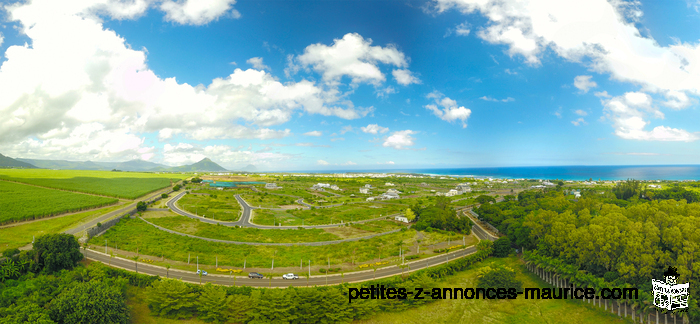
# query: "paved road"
[[278, 281], [245, 218]]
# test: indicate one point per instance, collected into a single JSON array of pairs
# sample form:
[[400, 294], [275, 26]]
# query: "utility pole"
[[198, 262], [244, 262], [188, 257]]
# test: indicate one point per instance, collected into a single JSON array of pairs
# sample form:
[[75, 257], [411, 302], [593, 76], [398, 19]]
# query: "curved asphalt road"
[[278, 281], [245, 218]]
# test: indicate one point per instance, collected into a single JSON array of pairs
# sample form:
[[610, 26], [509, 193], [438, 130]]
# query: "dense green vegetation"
[[619, 241], [217, 205], [267, 200], [441, 216], [194, 227], [128, 185], [20, 202]]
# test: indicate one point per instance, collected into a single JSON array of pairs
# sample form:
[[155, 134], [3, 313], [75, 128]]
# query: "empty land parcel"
[[19, 202], [128, 185]]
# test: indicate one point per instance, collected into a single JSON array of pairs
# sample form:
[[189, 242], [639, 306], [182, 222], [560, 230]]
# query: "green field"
[[21, 235], [267, 200], [506, 311], [194, 227], [128, 185], [220, 205], [130, 234], [19, 202], [317, 216]]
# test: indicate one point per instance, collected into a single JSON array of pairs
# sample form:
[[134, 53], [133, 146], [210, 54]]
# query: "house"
[[335, 187], [368, 186], [390, 195], [463, 188], [451, 193], [364, 191], [271, 185], [401, 219], [389, 184], [370, 199], [393, 191], [654, 186]]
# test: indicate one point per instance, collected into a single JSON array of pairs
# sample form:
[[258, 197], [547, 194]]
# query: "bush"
[[329, 270], [10, 253], [412, 257], [176, 188], [501, 248], [499, 277], [90, 302], [56, 252], [164, 196], [141, 206]]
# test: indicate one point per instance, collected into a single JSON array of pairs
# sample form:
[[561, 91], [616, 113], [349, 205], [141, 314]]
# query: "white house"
[[335, 187], [364, 191], [452, 192], [389, 184], [401, 219], [368, 186], [370, 199], [390, 195]]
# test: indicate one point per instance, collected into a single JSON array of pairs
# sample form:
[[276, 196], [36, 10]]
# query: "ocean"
[[602, 172]]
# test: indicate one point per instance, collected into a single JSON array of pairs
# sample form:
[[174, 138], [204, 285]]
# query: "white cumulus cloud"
[[197, 12], [400, 139], [450, 112], [257, 63], [404, 77], [584, 83], [313, 133], [322, 162], [374, 129]]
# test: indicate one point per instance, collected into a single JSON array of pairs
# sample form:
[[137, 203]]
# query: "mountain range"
[[205, 164]]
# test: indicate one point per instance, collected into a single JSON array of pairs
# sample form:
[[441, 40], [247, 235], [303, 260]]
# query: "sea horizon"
[[571, 172]]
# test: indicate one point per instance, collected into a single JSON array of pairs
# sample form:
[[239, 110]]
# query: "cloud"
[[487, 98], [322, 162], [602, 94], [197, 12], [597, 33], [558, 113], [103, 86], [451, 112], [628, 113], [462, 29], [511, 72], [584, 83], [351, 56], [385, 91], [349, 163], [337, 139], [400, 139], [313, 133], [374, 129], [257, 63], [580, 112], [579, 122], [387, 162], [225, 155], [345, 129], [404, 77]]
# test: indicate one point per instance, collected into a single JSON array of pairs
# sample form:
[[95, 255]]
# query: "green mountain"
[[8, 162], [69, 165], [204, 165], [138, 165]]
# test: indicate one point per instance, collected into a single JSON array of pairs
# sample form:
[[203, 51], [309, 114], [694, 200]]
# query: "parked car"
[[255, 275], [204, 273], [290, 276]]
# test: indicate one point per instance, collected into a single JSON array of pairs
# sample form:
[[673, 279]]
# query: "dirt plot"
[[286, 207], [345, 232], [158, 214]]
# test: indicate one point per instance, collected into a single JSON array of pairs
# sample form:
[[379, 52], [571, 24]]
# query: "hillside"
[[8, 162], [138, 165], [204, 165]]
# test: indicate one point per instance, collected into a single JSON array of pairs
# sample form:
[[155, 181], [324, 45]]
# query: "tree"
[[141, 206], [214, 305], [164, 196], [482, 199], [55, 252], [499, 277], [171, 298], [410, 215], [90, 302], [27, 313], [176, 188], [501, 247]]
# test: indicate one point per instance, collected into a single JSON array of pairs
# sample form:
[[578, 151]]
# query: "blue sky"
[[302, 85]]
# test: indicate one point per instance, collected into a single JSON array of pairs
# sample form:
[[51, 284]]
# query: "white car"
[[204, 273], [290, 276]]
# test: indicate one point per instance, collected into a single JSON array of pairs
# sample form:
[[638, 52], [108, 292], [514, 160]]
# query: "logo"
[[670, 295]]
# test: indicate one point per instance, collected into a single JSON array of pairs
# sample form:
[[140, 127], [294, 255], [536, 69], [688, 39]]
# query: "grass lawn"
[[267, 200], [21, 235], [20, 202], [133, 234], [129, 185], [517, 311], [317, 216], [219, 205], [195, 227]]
